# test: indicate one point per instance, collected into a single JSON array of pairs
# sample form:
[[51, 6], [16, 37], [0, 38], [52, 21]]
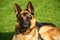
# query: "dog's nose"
[[25, 25]]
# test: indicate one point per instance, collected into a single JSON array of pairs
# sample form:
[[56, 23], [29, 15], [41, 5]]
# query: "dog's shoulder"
[[41, 24]]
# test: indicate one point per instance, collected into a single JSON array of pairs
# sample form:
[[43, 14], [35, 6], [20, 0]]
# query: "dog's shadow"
[[6, 36]]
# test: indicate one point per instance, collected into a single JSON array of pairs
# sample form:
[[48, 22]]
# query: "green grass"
[[45, 11]]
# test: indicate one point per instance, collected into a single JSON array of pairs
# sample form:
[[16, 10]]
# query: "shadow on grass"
[[6, 36]]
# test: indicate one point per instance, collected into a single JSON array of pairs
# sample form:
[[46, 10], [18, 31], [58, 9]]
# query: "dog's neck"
[[29, 35]]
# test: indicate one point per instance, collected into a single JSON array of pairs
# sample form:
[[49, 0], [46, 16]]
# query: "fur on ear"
[[17, 8], [30, 7]]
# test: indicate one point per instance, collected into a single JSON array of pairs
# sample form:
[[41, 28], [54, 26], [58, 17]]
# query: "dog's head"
[[25, 17]]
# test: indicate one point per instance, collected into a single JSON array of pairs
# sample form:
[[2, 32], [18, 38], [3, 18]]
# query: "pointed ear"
[[17, 9], [30, 8]]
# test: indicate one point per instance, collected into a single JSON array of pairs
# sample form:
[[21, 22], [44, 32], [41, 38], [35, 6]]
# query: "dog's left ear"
[[30, 8]]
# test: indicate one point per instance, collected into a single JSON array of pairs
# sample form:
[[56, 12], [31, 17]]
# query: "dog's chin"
[[24, 28]]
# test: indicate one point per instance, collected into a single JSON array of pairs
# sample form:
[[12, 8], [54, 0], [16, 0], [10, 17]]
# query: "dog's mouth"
[[24, 26]]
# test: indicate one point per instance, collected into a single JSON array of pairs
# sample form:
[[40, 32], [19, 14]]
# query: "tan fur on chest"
[[30, 36]]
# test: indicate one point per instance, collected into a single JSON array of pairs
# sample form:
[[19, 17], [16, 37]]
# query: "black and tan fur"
[[48, 31], [26, 26], [28, 29]]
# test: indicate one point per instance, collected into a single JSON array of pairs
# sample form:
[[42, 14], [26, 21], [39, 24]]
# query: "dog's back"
[[48, 31]]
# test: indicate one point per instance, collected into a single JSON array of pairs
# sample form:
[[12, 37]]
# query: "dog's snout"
[[26, 24]]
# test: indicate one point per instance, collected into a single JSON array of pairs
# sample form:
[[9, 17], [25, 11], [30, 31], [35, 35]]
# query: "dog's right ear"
[[17, 9]]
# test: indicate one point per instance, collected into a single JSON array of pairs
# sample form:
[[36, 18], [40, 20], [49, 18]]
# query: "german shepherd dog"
[[28, 29], [25, 26]]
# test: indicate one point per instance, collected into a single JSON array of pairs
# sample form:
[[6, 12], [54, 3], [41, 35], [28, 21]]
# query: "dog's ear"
[[30, 7], [17, 9]]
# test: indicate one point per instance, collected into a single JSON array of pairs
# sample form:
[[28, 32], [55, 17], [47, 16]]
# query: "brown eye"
[[30, 17]]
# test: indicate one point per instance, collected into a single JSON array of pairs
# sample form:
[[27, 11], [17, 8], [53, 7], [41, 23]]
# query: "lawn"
[[45, 11]]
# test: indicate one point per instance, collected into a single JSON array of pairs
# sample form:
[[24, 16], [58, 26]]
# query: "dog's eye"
[[21, 18], [29, 18]]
